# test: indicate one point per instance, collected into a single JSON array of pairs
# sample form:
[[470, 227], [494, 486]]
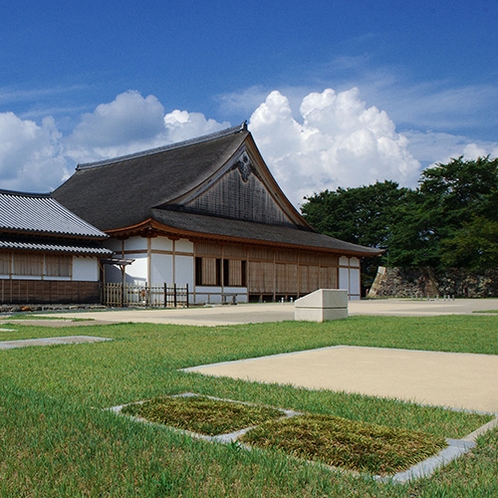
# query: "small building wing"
[[47, 253], [39, 244]]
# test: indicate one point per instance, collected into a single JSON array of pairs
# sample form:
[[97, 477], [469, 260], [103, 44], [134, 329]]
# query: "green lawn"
[[55, 439]]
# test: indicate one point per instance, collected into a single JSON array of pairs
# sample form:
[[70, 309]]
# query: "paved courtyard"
[[276, 312]]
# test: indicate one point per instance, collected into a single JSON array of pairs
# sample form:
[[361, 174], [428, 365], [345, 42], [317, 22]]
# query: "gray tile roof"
[[127, 191], [121, 192], [55, 246], [242, 230], [21, 212]]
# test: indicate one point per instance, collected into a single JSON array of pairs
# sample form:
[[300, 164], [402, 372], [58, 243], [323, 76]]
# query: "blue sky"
[[335, 92]]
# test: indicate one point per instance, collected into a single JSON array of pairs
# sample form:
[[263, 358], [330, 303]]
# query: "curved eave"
[[153, 228]]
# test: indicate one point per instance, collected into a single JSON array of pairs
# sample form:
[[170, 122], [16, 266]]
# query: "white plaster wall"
[[86, 269], [241, 293], [135, 243], [184, 245], [349, 277], [136, 273], [354, 262], [161, 244], [214, 295], [344, 278], [184, 270], [207, 294], [161, 269], [343, 261], [354, 284]]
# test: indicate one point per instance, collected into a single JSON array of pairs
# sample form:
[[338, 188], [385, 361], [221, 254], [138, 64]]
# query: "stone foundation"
[[427, 283]]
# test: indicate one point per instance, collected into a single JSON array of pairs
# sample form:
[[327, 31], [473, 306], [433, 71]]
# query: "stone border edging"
[[425, 468]]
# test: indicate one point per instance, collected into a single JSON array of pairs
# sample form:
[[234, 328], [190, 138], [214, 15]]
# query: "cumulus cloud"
[[318, 142], [31, 157], [339, 141], [131, 123], [431, 147], [182, 125], [126, 124], [38, 157]]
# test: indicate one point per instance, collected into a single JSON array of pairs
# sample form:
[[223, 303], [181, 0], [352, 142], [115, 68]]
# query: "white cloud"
[[36, 157], [243, 102], [127, 124], [131, 123], [340, 142], [182, 125], [311, 143], [432, 147], [30, 155]]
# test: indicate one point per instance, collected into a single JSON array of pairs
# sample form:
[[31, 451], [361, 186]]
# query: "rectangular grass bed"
[[347, 444], [202, 415]]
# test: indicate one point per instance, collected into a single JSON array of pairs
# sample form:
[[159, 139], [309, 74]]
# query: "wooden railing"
[[155, 296]]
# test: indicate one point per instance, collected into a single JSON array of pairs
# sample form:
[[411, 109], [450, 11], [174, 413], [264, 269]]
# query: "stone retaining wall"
[[425, 282]]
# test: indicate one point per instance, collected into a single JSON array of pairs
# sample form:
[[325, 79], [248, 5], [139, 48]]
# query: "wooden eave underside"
[[152, 228]]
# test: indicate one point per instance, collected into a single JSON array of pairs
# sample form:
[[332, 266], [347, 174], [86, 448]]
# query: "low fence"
[[155, 296]]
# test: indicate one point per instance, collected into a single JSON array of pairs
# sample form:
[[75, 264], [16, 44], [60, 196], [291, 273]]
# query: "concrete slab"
[[421, 307], [50, 341], [208, 316], [455, 380], [55, 323]]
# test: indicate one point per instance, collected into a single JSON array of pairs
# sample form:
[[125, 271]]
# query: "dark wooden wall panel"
[[48, 292]]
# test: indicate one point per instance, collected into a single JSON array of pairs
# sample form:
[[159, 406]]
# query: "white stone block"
[[322, 305]]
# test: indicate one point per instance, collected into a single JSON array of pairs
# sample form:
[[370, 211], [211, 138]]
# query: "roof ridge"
[[192, 141], [18, 193]]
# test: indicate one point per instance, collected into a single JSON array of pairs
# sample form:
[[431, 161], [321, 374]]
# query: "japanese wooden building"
[[208, 213], [47, 254]]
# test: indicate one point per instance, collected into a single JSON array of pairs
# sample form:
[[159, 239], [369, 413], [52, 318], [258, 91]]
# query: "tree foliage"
[[362, 215], [450, 220]]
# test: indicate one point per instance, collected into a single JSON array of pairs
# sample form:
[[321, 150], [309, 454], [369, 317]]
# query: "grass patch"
[[57, 442], [338, 442], [201, 415]]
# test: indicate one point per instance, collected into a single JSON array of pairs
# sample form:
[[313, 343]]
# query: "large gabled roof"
[[151, 190], [40, 214], [120, 192]]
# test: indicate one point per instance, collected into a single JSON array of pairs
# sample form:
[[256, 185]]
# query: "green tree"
[[361, 215], [451, 219], [414, 234], [459, 203], [474, 246]]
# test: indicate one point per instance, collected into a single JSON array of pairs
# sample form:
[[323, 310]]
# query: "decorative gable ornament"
[[244, 165]]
